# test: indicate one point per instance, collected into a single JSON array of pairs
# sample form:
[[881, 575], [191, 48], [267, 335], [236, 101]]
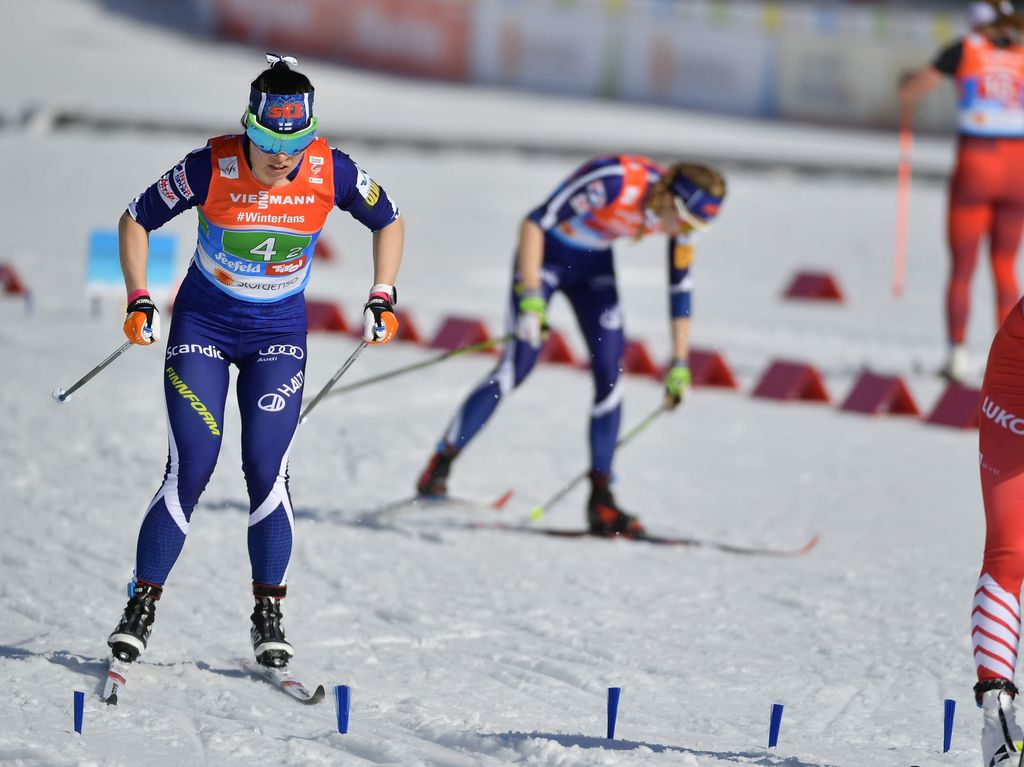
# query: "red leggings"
[[986, 198], [995, 621]]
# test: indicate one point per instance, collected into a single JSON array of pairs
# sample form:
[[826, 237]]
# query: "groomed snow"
[[467, 647]]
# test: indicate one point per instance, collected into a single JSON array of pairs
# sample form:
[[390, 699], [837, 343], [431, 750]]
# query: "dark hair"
[[281, 78]]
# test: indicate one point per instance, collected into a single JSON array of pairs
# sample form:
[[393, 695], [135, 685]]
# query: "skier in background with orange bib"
[[565, 245], [986, 196], [262, 199]]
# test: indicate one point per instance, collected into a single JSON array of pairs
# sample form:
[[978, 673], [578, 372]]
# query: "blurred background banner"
[[561, 47], [699, 56], [427, 38], [834, 63]]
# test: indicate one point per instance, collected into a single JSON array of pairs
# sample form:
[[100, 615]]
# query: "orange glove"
[[142, 324], [379, 321]]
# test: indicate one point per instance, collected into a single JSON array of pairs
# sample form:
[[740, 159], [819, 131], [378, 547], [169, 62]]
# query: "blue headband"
[[697, 206]]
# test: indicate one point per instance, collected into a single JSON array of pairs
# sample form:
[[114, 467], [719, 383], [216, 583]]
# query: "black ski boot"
[[604, 515], [268, 641], [433, 482], [131, 635]]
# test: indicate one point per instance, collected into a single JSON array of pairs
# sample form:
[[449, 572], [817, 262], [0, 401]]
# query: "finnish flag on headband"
[[281, 113]]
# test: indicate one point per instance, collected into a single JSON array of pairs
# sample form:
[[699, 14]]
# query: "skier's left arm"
[[914, 86], [678, 377], [356, 192]]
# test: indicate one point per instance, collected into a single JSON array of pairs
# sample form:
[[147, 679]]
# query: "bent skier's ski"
[[659, 540], [422, 502]]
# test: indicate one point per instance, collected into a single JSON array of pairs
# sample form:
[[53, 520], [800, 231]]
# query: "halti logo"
[[274, 402], [1002, 417]]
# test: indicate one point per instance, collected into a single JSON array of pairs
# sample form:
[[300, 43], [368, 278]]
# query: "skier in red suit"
[[986, 196]]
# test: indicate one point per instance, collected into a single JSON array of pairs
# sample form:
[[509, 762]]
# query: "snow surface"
[[462, 646]]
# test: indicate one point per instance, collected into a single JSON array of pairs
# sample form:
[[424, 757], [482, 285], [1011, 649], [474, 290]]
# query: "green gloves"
[[532, 318], [677, 381]]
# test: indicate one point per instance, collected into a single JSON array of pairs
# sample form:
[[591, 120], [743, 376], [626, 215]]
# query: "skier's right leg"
[[968, 221], [596, 304], [995, 618], [195, 373], [516, 363]]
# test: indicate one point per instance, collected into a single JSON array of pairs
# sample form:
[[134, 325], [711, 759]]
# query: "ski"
[[420, 502], [661, 540], [117, 676], [282, 679]]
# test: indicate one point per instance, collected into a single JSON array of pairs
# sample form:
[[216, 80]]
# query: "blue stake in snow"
[[613, 709], [341, 698], [79, 709], [947, 728], [774, 725]]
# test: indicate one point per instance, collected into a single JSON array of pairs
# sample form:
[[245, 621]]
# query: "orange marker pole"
[[902, 202]]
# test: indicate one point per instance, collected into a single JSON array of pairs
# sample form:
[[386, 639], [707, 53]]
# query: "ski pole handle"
[[61, 396], [479, 346], [334, 379]]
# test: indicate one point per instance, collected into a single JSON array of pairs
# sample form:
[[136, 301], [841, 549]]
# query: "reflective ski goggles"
[[273, 142]]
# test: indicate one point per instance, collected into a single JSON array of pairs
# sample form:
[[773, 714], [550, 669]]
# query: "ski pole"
[[479, 346], [902, 202], [61, 395], [538, 511], [334, 379]]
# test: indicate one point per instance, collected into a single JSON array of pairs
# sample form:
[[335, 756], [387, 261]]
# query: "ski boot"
[[1001, 736], [604, 515], [268, 642], [129, 639], [433, 482], [957, 367]]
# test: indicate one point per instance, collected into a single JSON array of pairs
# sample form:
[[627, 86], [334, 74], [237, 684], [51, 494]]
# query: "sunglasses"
[[273, 142]]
